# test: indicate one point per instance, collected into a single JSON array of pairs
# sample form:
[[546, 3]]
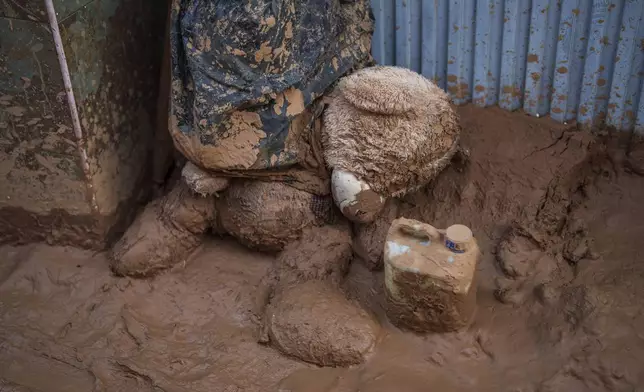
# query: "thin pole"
[[71, 101]]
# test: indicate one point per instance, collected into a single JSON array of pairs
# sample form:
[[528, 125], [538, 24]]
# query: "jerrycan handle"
[[419, 229]]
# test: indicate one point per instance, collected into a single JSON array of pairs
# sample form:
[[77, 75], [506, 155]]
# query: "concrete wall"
[[49, 191]]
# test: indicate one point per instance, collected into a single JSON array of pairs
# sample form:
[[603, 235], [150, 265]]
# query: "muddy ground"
[[558, 214]]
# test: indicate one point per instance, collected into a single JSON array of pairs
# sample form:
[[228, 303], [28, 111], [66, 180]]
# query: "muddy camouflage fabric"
[[247, 76]]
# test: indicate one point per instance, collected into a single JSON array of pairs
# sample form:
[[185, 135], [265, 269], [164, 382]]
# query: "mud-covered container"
[[430, 276]]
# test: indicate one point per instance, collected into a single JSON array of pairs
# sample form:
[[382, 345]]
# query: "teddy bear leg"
[[308, 316], [369, 238], [268, 215], [167, 231]]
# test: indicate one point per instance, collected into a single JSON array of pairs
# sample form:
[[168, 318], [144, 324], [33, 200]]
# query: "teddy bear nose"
[[354, 197]]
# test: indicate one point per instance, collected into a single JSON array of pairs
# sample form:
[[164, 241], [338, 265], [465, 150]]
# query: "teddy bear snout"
[[355, 198]]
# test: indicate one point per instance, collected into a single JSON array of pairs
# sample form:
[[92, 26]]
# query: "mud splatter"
[[238, 150]]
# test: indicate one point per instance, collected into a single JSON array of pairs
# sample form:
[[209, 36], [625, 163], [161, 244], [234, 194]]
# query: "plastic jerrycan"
[[430, 276]]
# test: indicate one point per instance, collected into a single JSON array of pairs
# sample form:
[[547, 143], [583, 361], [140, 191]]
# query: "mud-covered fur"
[[391, 127]]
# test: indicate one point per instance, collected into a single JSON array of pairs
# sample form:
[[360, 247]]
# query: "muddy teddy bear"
[[375, 151], [290, 138], [393, 142]]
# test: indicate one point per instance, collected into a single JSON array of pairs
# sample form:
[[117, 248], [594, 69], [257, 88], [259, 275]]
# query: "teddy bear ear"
[[385, 90]]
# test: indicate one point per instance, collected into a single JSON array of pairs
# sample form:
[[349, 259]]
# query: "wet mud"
[[557, 214]]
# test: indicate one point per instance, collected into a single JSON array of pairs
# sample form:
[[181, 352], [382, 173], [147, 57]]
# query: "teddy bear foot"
[[164, 234], [314, 322], [309, 317]]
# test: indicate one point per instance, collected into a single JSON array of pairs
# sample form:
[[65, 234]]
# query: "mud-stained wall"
[[113, 50], [42, 180], [34, 10]]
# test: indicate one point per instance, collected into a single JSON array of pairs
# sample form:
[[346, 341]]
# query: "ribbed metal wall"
[[571, 59]]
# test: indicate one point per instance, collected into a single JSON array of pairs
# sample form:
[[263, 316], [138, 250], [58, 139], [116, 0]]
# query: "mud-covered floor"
[[559, 216]]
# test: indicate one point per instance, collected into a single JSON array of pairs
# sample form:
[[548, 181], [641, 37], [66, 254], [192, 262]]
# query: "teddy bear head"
[[387, 131]]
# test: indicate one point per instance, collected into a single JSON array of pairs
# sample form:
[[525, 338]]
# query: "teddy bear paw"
[[202, 182], [355, 198]]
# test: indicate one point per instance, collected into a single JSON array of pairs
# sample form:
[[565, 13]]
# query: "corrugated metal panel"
[[516, 25], [571, 59], [460, 49], [434, 52], [542, 51], [625, 90], [488, 44]]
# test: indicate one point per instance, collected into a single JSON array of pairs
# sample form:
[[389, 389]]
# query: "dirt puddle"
[[560, 219]]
